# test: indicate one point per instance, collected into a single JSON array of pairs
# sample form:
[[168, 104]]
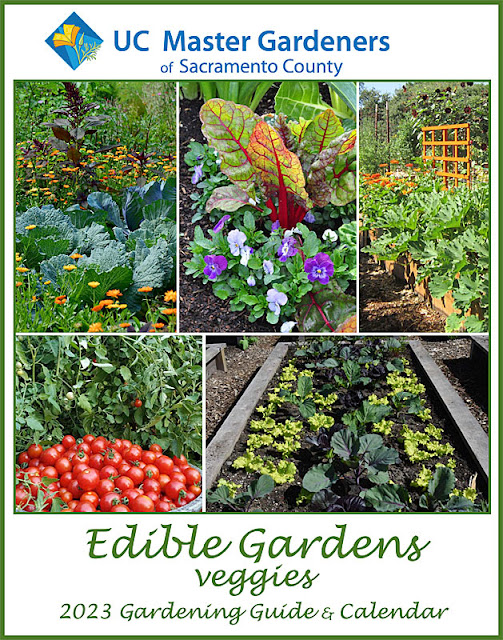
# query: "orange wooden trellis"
[[448, 145]]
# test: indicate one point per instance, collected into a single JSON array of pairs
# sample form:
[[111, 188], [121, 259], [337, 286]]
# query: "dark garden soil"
[[284, 497], [452, 355], [200, 310], [390, 306], [224, 388]]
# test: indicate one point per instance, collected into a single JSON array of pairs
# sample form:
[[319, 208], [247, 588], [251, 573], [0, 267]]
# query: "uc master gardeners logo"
[[75, 41]]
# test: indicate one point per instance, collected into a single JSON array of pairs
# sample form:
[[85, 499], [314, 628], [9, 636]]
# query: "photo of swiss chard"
[[268, 214], [355, 425], [95, 207]]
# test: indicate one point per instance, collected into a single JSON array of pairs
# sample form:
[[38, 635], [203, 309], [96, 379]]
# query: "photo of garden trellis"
[[424, 207], [268, 207], [95, 206], [347, 424]]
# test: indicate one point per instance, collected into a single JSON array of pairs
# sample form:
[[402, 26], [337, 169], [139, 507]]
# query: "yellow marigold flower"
[[69, 267], [168, 312], [113, 306], [124, 325], [114, 293], [76, 256], [122, 306], [47, 282], [170, 296], [22, 269], [144, 289], [19, 258], [93, 284], [159, 325], [95, 327], [19, 284]]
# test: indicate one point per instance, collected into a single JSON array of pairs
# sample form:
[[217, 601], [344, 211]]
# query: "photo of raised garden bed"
[[424, 207], [267, 207], [108, 424], [355, 424], [95, 206]]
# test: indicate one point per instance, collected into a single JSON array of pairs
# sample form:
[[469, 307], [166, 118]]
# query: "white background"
[[49, 553]]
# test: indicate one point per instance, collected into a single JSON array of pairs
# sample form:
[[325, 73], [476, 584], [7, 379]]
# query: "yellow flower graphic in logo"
[[85, 49], [68, 38]]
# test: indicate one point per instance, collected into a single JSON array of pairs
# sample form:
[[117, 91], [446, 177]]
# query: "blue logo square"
[[74, 41]]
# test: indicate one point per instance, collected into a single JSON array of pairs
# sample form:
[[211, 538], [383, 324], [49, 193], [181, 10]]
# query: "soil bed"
[[390, 306], [223, 389], [453, 358], [284, 497]]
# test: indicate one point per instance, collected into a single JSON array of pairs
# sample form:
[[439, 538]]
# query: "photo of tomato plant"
[[268, 206], [95, 207], [350, 424], [424, 209], [108, 423]]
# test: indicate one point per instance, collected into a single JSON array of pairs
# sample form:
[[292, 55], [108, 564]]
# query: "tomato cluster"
[[96, 474]]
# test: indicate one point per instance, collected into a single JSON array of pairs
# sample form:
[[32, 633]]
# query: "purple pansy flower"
[[275, 226], [214, 266], [250, 281], [276, 300], [309, 217], [198, 173], [220, 224], [236, 240], [319, 268], [287, 249]]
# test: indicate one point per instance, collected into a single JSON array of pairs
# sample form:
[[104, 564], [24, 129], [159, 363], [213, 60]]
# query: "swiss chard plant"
[[270, 261]]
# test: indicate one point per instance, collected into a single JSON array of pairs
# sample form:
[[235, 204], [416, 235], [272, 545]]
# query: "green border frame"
[[389, 3]]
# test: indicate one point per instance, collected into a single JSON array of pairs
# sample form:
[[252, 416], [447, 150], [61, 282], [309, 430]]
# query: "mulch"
[[224, 388], [390, 306]]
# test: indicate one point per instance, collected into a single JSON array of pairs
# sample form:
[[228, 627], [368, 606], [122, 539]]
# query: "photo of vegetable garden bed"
[[424, 225], [267, 206], [95, 206], [108, 423], [356, 424]]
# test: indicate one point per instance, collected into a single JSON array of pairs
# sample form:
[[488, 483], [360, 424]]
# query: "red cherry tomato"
[[138, 403], [88, 479], [164, 464], [143, 504], [34, 451], [68, 442]]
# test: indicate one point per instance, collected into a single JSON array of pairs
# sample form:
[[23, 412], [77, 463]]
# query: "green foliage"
[[446, 233], [124, 247], [82, 385], [228, 497]]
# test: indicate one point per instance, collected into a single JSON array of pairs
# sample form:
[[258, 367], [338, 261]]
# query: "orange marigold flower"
[[168, 312], [124, 325], [106, 303], [60, 300], [98, 307], [170, 296], [76, 256], [19, 284], [114, 293], [159, 325], [394, 162], [383, 165], [95, 327], [34, 298], [22, 269], [144, 289], [409, 164], [151, 330], [93, 284]]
